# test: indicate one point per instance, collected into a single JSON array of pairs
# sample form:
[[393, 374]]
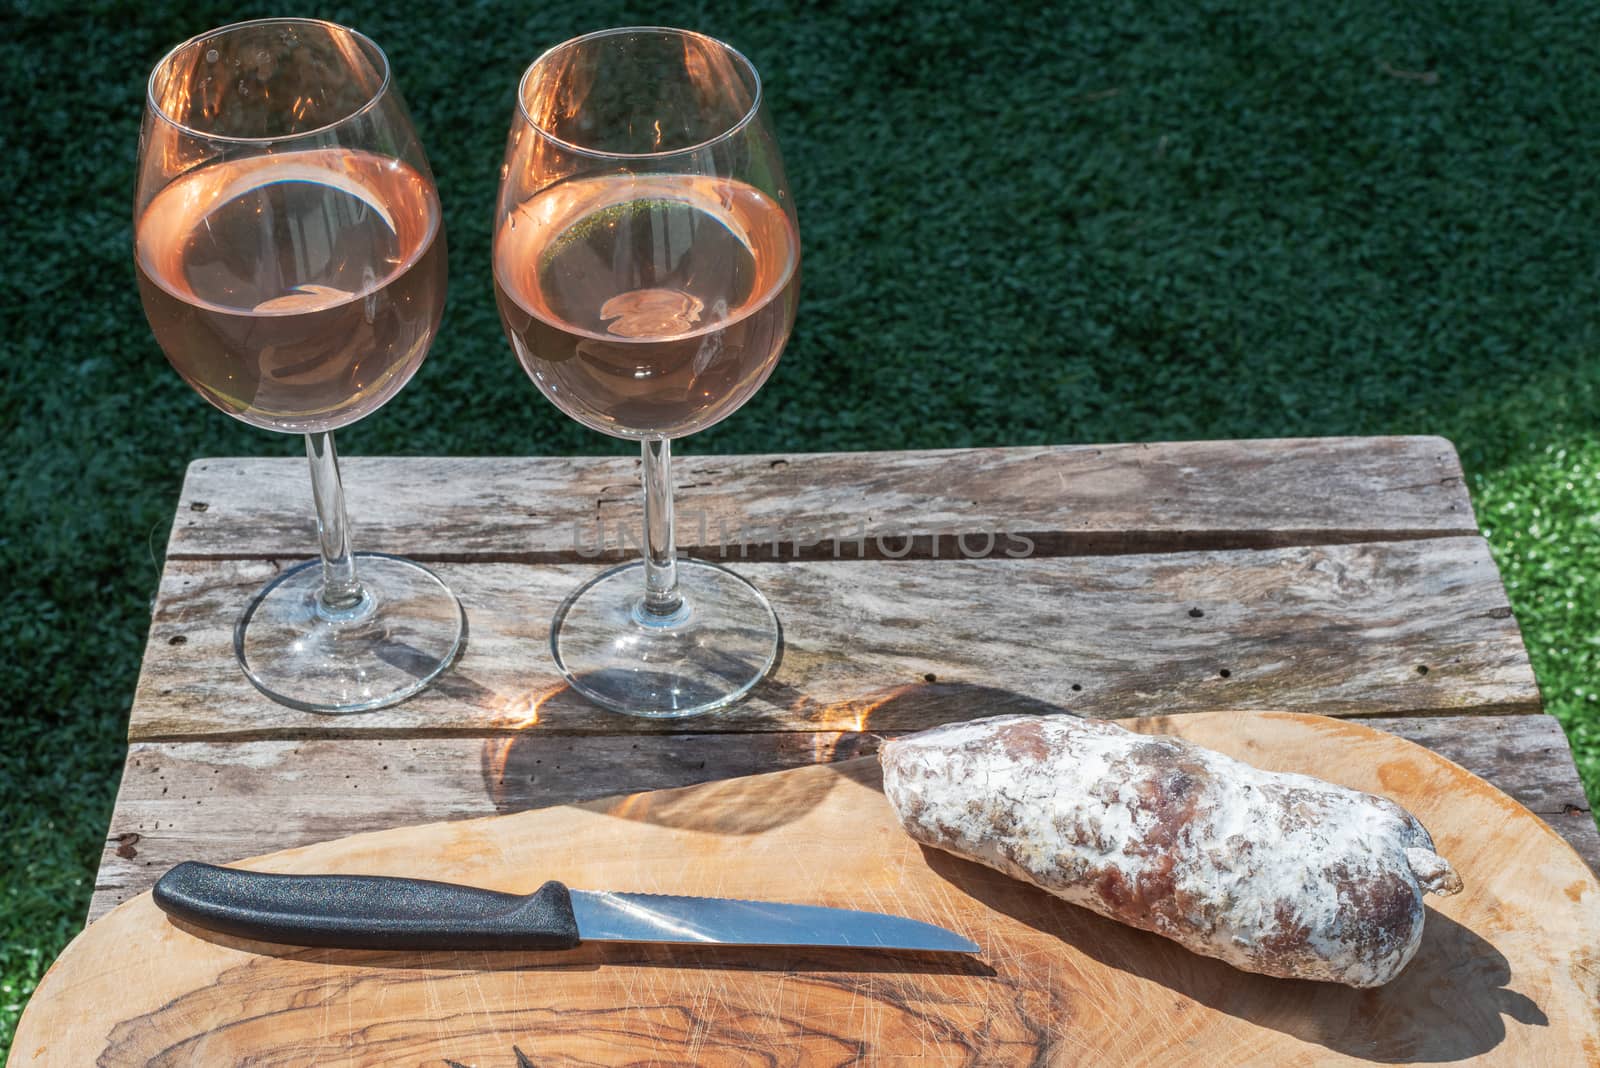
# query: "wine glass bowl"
[[292, 270], [715, 266], [647, 270], [646, 252], [291, 261]]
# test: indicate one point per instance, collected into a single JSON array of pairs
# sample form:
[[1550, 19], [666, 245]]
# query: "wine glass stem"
[[341, 589], [660, 550]]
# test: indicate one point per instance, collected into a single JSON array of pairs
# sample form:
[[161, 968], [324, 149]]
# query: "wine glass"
[[647, 266], [291, 261]]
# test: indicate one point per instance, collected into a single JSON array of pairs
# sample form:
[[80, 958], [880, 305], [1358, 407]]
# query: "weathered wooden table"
[[1339, 576]]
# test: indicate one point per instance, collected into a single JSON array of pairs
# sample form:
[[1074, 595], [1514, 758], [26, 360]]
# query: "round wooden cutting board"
[[1508, 972]]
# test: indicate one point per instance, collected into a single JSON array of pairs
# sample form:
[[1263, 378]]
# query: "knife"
[[381, 912]]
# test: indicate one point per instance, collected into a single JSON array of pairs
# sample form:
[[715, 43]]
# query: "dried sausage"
[[1275, 873]]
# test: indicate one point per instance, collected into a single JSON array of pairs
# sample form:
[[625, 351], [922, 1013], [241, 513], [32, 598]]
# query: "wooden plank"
[[222, 801], [1064, 500], [1372, 629]]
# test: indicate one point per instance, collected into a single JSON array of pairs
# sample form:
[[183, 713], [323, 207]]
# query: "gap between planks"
[[630, 727]]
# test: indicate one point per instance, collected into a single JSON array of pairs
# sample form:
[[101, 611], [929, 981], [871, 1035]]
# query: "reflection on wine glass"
[[647, 266], [291, 260]]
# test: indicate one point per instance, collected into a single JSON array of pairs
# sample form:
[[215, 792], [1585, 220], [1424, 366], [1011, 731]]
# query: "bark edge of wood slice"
[[1508, 971]]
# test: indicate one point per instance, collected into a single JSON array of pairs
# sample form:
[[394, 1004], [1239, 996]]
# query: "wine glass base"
[[706, 656], [407, 629]]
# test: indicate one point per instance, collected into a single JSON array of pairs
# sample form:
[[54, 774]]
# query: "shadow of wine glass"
[[911, 706], [746, 805], [738, 801], [531, 768]]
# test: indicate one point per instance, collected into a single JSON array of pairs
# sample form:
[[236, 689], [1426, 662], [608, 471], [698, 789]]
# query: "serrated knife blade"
[[604, 916]]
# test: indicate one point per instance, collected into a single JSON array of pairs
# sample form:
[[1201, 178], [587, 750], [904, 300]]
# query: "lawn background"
[[1108, 222]]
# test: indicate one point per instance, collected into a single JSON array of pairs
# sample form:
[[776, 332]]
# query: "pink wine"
[[296, 291], [647, 305]]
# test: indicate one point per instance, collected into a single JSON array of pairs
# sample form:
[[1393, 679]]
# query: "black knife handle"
[[365, 911]]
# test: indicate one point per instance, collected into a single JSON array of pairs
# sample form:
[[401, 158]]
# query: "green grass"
[[1122, 221]]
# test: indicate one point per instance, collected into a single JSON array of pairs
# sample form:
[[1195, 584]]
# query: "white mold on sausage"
[[1275, 873]]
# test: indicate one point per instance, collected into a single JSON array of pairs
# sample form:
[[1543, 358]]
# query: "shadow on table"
[[1446, 1005], [729, 795]]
